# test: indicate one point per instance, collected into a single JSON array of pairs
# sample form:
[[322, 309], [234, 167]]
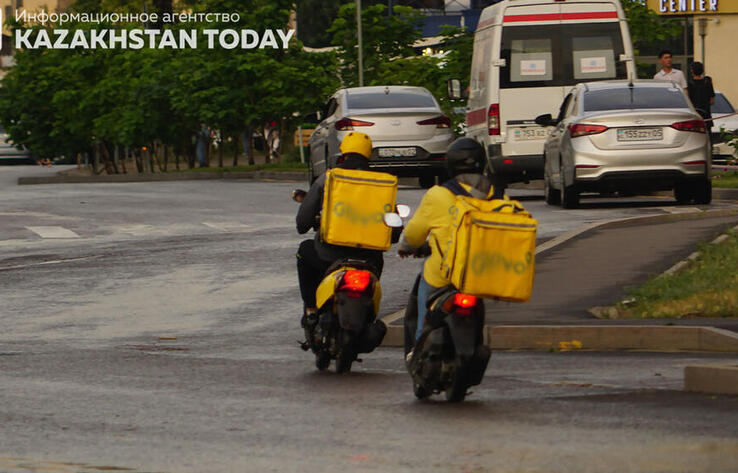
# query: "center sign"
[[692, 7]]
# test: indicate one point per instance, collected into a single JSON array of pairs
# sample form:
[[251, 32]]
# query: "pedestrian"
[[202, 144], [668, 73], [701, 93]]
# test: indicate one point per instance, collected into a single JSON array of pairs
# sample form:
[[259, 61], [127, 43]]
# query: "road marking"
[[228, 226], [53, 232], [45, 263], [680, 210]]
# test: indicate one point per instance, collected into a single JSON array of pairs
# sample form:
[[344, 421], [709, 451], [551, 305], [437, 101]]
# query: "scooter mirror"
[[403, 210], [392, 220], [298, 195]]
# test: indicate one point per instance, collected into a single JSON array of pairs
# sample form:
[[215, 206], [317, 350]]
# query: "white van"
[[527, 56]]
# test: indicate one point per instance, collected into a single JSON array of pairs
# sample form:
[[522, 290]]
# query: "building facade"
[[714, 25]]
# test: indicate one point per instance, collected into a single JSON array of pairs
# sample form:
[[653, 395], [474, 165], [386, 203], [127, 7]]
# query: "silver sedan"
[[409, 131], [626, 137]]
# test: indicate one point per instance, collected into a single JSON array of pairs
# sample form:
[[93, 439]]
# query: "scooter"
[[348, 298], [450, 355]]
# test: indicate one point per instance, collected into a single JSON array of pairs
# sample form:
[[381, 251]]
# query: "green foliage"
[[384, 39], [704, 288], [646, 26]]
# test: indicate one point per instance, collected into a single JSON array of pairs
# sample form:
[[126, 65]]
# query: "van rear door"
[[547, 49]]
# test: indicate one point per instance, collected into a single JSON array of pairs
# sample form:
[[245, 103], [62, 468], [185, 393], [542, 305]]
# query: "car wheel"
[[553, 196], [570, 197], [426, 181], [683, 193], [569, 194], [703, 192]]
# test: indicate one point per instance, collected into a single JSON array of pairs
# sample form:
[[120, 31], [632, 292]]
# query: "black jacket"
[[313, 204]]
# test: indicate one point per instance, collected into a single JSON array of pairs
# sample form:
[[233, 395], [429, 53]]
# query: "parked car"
[[721, 151], [409, 131], [9, 154], [626, 137]]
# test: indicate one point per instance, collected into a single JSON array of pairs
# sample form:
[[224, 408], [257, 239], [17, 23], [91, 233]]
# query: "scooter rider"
[[465, 162], [315, 256]]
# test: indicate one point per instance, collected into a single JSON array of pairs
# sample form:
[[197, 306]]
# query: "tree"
[[385, 39]]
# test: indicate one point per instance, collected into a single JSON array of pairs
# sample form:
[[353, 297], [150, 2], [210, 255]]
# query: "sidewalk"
[[595, 268]]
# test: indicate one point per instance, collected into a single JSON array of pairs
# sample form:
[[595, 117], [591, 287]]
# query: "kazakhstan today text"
[[151, 38]]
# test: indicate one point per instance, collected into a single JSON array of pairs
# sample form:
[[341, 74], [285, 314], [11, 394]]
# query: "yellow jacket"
[[433, 217]]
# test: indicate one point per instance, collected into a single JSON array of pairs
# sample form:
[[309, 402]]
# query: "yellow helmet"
[[357, 142]]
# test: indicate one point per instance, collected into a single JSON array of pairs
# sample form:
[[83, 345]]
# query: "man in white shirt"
[[668, 73]]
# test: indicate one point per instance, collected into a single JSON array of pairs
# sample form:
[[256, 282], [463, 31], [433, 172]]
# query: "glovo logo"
[[482, 262], [357, 217]]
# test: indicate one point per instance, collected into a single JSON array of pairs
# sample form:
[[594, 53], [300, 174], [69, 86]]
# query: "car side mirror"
[[392, 220], [403, 210], [454, 89], [545, 120]]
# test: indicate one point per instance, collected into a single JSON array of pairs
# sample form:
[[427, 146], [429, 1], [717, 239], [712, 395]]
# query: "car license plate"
[[397, 152], [529, 133], [640, 134]]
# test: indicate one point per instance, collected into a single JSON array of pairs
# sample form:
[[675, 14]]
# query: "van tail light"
[[580, 129], [695, 163], [355, 282], [460, 304], [441, 121], [493, 119], [697, 126], [345, 124]]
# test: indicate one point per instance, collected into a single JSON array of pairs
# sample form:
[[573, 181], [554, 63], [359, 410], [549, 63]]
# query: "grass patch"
[[277, 167], [707, 287], [726, 179]]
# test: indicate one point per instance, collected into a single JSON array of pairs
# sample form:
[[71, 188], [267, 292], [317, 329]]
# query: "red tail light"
[[581, 129], [349, 124], [460, 304], [440, 121], [355, 282], [493, 119], [697, 126], [464, 300], [695, 163]]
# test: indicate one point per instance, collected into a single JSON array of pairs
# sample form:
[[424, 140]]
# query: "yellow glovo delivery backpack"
[[491, 249], [354, 204]]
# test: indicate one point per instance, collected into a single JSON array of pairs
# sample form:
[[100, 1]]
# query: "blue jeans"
[[424, 290]]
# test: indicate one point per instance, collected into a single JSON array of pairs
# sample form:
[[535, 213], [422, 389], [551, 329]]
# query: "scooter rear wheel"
[[344, 361], [456, 392]]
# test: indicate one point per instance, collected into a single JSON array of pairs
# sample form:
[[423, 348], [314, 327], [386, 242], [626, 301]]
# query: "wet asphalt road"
[[163, 338]]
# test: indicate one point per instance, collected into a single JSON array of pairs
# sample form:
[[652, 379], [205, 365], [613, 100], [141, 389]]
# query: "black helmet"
[[465, 155]]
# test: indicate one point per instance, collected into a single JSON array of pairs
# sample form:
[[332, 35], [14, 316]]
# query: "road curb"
[[711, 379], [287, 176], [650, 338]]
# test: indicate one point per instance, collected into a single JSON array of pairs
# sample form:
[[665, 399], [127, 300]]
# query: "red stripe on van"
[[476, 117], [561, 16]]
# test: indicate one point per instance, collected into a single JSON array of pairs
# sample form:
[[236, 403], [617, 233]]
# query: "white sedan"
[[626, 137]]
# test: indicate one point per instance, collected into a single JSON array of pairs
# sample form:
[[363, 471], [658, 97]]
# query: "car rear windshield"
[[634, 98], [721, 105], [391, 100], [560, 55]]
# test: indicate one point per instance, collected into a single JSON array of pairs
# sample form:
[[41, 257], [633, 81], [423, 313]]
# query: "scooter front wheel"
[[322, 360], [420, 391]]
